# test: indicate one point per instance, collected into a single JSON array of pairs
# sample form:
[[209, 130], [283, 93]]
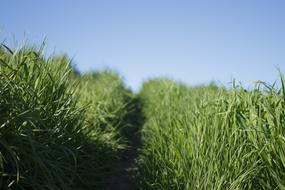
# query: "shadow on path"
[[125, 170]]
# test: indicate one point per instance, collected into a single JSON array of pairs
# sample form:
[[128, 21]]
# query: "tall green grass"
[[212, 138], [53, 123], [60, 129]]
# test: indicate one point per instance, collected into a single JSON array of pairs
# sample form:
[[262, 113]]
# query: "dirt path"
[[125, 170]]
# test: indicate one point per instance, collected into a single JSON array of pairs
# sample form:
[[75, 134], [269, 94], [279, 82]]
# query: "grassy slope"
[[211, 138]]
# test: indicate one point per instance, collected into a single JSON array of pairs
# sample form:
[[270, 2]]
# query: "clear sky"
[[194, 41]]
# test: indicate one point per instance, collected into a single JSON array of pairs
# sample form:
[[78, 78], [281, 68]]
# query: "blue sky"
[[191, 41]]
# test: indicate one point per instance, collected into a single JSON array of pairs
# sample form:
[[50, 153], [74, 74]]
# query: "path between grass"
[[123, 177]]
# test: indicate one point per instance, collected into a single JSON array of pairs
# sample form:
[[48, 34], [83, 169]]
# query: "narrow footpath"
[[123, 177]]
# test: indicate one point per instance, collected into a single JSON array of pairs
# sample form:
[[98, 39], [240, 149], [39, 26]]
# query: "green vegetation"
[[58, 129], [212, 138]]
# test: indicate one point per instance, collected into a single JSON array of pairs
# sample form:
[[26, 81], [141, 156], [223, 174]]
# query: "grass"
[[212, 138], [59, 129]]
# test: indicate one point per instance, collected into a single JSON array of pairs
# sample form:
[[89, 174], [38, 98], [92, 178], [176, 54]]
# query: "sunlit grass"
[[212, 138], [60, 129]]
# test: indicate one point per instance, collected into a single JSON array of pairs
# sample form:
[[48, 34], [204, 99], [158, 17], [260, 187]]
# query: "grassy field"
[[61, 129], [209, 137]]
